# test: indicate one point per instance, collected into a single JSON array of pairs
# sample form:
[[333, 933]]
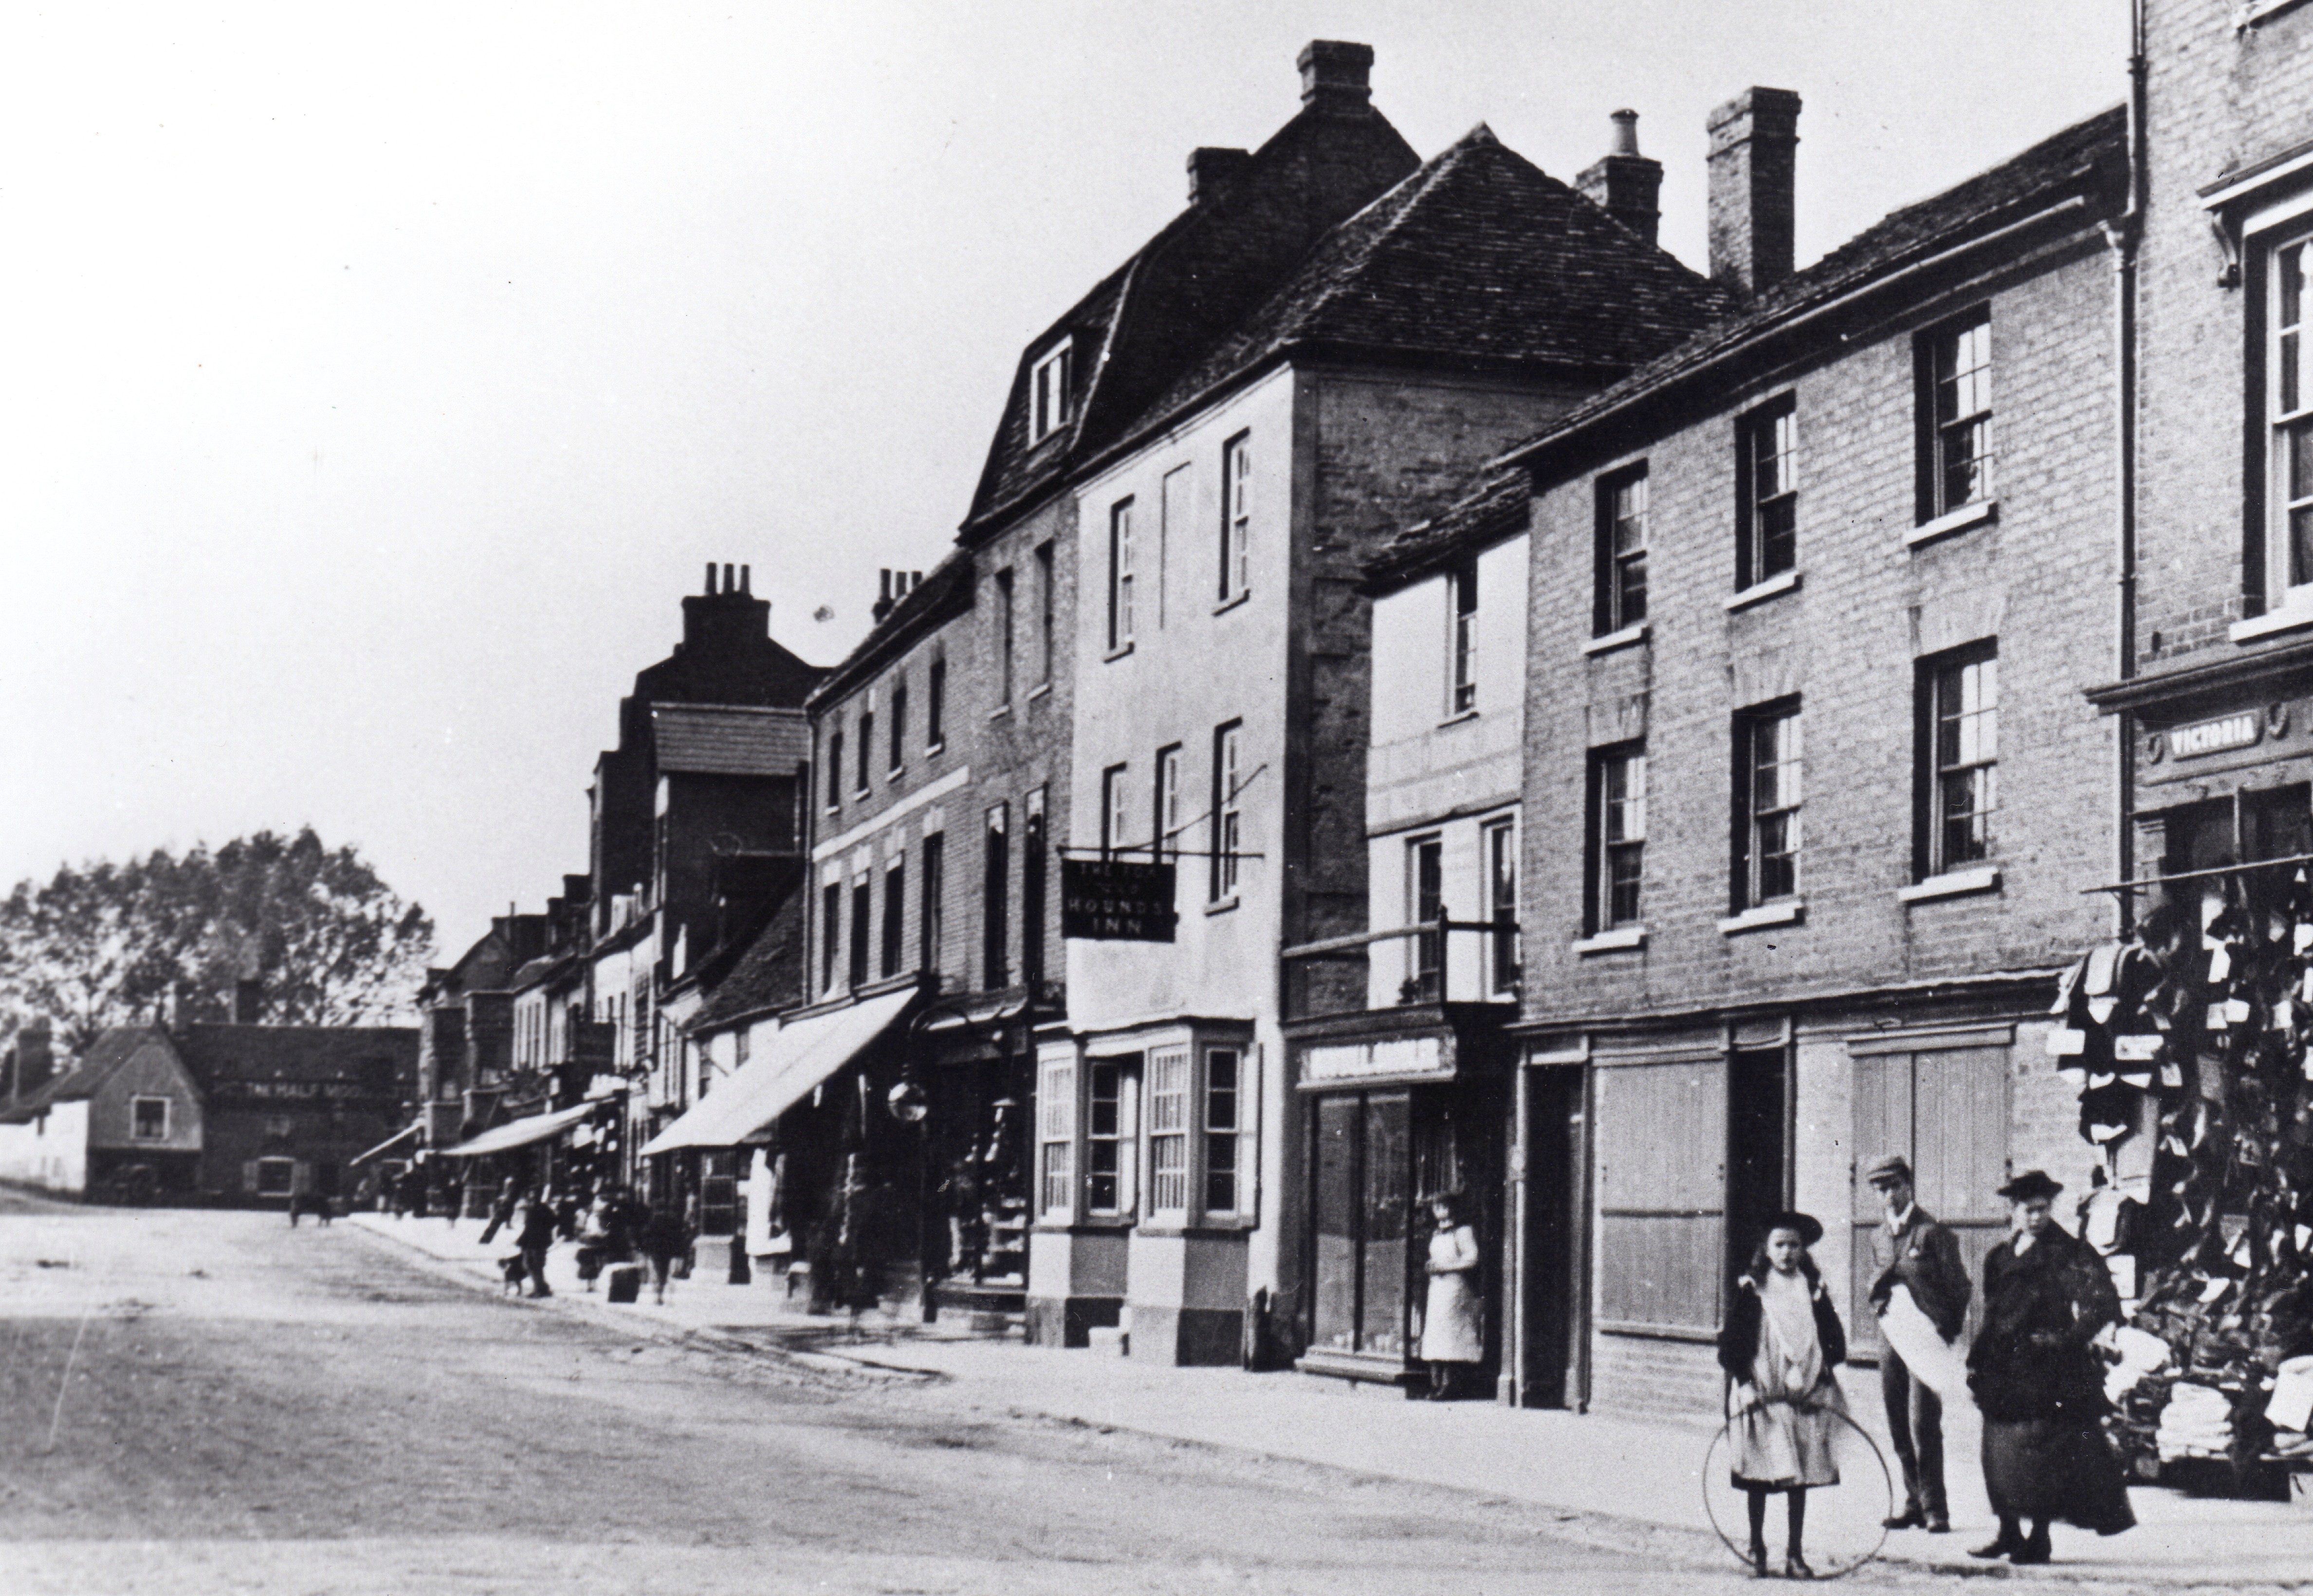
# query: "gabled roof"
[[2086, 160], [1143, 324], [1498, 507], [767, 978], [110, 1050], [214, 1053], [1481, 259], [942, 595], [728, 740]]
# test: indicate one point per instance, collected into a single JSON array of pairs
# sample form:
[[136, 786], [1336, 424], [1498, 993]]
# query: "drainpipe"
[[2124, 235]]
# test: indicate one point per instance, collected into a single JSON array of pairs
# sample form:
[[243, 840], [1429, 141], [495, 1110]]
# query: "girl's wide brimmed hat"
[[1807, 1227], [1450, 1194], [2030, 1184]]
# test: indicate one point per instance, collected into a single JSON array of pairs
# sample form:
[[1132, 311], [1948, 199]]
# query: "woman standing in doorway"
[[1452, 1320], [1781, 1343], [2045, 1295]]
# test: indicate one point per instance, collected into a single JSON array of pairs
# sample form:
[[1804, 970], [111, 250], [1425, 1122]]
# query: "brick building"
[[1810, 793]]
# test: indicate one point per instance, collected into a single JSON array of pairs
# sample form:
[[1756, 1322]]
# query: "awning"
[[798, 1057], [519, 1132], [395, 1140]]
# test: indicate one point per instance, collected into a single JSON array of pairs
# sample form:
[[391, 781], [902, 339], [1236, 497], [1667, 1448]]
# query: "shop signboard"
[[1398, 1058], [2221, 735], [1117, 900]]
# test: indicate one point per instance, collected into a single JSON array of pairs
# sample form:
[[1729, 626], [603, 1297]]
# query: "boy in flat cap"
[[1911, 1249]]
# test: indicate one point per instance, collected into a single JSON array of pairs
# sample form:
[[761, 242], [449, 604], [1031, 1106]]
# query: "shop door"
[[1946, 1112], [718, 1191], [1551, 1269], [1359, 1205]]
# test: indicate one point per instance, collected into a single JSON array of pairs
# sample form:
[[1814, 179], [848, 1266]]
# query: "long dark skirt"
[[2056, 1468]]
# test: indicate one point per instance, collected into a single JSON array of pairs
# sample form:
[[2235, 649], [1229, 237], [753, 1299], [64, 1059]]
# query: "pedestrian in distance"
[[502, 1209], [665, 1236], [1781, 1346], [536, 1236], [1911, 1251], [2046, 1295], [1453, 1318]]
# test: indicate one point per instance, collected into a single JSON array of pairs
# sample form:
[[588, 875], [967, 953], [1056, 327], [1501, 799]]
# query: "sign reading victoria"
[[1116, 900]]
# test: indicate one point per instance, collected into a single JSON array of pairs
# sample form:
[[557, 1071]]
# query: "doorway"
[[1554, 1266]]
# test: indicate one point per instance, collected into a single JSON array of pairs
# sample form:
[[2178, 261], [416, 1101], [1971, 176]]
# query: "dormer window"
[[1052, 390]]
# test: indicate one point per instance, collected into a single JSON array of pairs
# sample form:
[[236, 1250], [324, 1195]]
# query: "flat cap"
[[1887, 1166]]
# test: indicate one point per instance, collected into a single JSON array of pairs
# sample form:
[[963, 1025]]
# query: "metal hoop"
[[1720, 1443]]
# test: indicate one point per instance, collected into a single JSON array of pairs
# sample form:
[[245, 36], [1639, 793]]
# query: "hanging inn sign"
[[1116, 900]]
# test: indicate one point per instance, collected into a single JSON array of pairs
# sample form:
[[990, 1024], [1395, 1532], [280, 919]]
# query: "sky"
[[379, 378]]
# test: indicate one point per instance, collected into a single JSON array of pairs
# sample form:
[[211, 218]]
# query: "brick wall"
[[1845, 642]]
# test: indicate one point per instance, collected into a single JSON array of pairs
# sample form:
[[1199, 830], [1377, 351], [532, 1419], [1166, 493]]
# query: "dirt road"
[[200, 1402]]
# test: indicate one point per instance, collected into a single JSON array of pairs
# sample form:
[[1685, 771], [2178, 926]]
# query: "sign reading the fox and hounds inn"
[[1116, 900]]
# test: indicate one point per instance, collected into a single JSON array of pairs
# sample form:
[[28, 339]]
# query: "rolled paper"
[[1938, 1364]]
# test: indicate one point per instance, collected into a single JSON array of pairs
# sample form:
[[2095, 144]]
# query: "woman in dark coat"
[[667, 1237], [535, 1237], [1782, 1345], [2046, 1296]]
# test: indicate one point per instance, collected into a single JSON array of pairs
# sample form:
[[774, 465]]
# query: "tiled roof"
[[1478, 257], [74, 1084], [729, 738], [297, 1052], [2086, 159], [945, 593], [768, 977], [1186, 287], [1496, 509]]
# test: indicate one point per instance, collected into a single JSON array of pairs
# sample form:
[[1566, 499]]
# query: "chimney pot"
[[1211, 167], [1336, 74], [247, 1000], [746, 579], [729, 586], [710, 576], [1623, 183], [1754, 140], [883, 600]]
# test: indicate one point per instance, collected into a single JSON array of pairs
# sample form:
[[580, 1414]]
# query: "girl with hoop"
[[1781, 1345]]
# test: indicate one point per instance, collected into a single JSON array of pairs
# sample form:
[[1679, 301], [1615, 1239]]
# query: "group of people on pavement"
[[615, 1226], [2046, 1297]]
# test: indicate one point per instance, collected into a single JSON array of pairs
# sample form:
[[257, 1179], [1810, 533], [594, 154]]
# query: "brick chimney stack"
[[1755, 141], [1209, 168], [1336, 76], [248, 1001], [727, 614], [1625, 184]]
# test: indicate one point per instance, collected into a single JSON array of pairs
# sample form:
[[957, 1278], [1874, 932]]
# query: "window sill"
[[1618, 940], [1222, 907], [1226, 605], [1952, 883], [932, 750], [2250, 13], [1956, 520], [1457, 718], [999, 711], [1759, 593], [1790, 911], [1626, 637], [861, 793], [2288, 618], [1118, 652], [1039, 690]]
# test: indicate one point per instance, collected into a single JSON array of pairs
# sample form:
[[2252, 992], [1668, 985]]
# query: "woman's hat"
[[2030, 1184], [1450, 1194], [1808, 1228]]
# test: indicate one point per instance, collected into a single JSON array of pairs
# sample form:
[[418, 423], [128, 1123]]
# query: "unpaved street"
[[212, 1401]]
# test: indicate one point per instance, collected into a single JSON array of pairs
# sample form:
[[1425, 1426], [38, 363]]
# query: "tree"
[[107, 944]]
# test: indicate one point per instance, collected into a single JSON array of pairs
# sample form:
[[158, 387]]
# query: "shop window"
[[1769, 792], [1168, 1130], [1112, 1137], [275, 1177], [1766, 497], [1662, 1197], [1622, 576], [718, 1191], [1056, 1104], [1361, 1201], [1956, 452], [1223, 1128], [148, 1119]]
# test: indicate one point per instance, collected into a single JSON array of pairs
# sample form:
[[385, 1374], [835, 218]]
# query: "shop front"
[[1399, 1106]]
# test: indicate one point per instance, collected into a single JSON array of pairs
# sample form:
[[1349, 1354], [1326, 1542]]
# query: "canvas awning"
[[798, 1057], [395, 1140], [519, 1132]]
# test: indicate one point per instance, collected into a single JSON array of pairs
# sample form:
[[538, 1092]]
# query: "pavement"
[[1644, 1474]]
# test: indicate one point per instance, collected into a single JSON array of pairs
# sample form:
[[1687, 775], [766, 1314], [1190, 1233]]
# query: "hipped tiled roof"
[[2087, 158], [729, 739], [1479, 257]]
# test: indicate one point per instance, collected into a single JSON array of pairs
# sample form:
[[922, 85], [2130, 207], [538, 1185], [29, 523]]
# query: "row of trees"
[[107, 944]]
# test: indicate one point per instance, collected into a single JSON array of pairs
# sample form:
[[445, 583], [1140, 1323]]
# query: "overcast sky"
[[379, 378]]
